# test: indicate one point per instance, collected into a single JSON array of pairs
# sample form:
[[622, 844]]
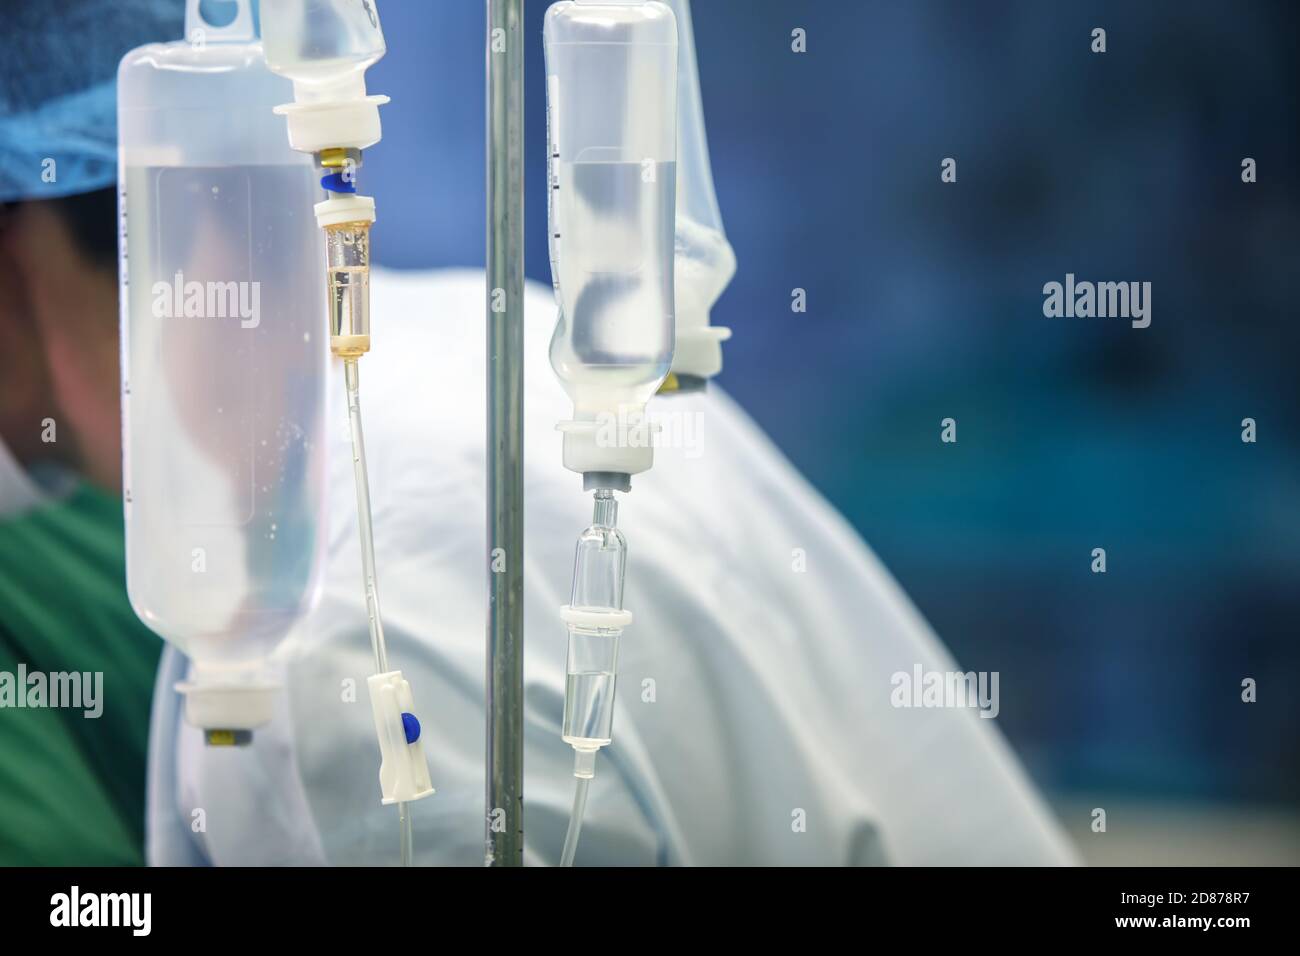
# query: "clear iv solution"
[[614, 343], [222, 404], [611, 102], [224, 356], [589, 719]]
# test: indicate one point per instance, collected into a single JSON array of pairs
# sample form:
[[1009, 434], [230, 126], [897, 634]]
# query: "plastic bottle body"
[[324, 46], [611, 97], [705, 262], [223, 355]]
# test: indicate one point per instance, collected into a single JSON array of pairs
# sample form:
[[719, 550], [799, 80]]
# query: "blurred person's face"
[[58, 347]]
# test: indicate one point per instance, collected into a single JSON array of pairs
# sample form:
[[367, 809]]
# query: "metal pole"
[[505, 432]]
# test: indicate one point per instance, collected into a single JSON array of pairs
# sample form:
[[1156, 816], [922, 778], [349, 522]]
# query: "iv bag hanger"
[[199, 30]]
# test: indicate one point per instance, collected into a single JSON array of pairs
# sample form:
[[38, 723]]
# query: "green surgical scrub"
[[72, 787]]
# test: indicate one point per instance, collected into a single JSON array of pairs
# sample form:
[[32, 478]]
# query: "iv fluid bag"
[[224, 351], [324, 46], [611, 71]]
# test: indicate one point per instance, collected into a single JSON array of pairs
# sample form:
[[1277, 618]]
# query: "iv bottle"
[[705, 262], [224, 359], [324, 46], [611, 85]]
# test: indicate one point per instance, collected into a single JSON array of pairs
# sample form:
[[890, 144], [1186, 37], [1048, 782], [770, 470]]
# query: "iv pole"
[[505, 433]]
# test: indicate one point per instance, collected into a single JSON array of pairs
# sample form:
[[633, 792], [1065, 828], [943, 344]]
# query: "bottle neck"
[[605, 510]]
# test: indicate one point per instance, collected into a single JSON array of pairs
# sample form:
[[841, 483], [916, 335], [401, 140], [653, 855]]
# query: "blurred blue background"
[[925, 302]]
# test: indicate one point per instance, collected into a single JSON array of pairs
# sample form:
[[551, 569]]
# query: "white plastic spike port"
[[403, 772]]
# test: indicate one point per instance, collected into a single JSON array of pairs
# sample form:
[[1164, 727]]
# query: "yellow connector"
[[334, 158], [670, 384], [227, 738]]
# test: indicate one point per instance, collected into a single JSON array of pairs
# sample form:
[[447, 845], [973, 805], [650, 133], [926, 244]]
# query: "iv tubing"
[[352, 377], [377, 645], [582, 785]]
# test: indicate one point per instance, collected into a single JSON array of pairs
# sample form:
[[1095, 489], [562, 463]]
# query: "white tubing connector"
[[584, 762], [344, 207], [403, 772]]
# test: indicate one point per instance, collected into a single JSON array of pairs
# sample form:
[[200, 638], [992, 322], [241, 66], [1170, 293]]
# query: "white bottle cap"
[[343, 124], [614, 443], [237, 697]]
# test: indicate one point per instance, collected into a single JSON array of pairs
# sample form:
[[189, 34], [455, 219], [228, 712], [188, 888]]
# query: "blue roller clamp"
[[412, 727], [336, 183]]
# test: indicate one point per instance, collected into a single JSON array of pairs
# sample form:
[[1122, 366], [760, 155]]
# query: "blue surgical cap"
[[58, 70]]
